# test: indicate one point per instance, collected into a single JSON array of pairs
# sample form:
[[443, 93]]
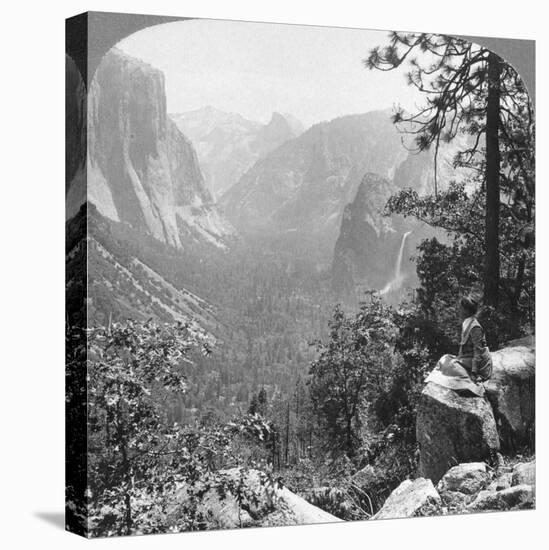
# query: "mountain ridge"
[[228, 144], [305, 183]]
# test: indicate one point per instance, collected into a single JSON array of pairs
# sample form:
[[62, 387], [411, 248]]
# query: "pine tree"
[[468, 89]]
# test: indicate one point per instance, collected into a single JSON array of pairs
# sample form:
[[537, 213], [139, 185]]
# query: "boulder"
[[503, 481], [411, 499], [301, 511], [511, 392], [452, 429], [519, 497], [468, 478], [260, 503], [454, 501], [524, 473]]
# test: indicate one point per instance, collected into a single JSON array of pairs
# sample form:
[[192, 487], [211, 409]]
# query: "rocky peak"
[[276, 132], [229, 144], [197, 125], [369, 242]]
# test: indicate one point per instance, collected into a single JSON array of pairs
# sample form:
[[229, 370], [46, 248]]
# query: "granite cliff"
[[141, 169]]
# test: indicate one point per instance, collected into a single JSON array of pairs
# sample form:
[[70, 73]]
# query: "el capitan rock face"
[[141, 169], [228, 144]]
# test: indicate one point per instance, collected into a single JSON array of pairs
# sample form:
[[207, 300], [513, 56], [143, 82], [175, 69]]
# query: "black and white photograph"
[[300, 276]]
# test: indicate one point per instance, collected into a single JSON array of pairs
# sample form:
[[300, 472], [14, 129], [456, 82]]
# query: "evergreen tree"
[[349, 372], [468, 89]]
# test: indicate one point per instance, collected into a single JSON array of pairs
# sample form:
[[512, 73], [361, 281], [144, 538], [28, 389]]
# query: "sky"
[[255, 69]]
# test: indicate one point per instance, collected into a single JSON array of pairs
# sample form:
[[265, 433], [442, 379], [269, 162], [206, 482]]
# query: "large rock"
[[524, 473], [246, 500], [411, 499], [519, 497], [468, 478], [452, 429], [454, 501], [511, 391], [502, 481]]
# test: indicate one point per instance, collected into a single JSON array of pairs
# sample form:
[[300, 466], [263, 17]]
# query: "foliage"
[[146, 475], [452, 73], [263, 321], [75, 419], [448, 270], [470, 90], [350, 371], [374, 366], [129, 365], [165, 424]]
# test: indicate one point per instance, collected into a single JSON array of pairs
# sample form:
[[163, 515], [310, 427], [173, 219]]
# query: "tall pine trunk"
[[287, 434], [491, 267]]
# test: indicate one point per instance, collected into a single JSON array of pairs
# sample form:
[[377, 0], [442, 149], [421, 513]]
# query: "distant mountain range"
[[323, 194], [303, 187], [228, 144]]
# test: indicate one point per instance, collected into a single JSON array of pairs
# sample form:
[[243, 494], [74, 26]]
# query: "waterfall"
[[397, 279]]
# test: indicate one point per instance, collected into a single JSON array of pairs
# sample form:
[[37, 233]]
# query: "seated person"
[[473, 365]]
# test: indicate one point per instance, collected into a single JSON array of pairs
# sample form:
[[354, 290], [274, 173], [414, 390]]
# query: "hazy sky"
[[254, 69]]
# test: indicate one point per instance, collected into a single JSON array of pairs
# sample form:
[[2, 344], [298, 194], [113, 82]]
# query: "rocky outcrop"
[[519, 497], [511, 392], [465, 488], [458, 434], [467, 478], [524, 473], [502, 481], [411, 499], [248, 501], [141, 169], [368, 243], [452, 429]]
